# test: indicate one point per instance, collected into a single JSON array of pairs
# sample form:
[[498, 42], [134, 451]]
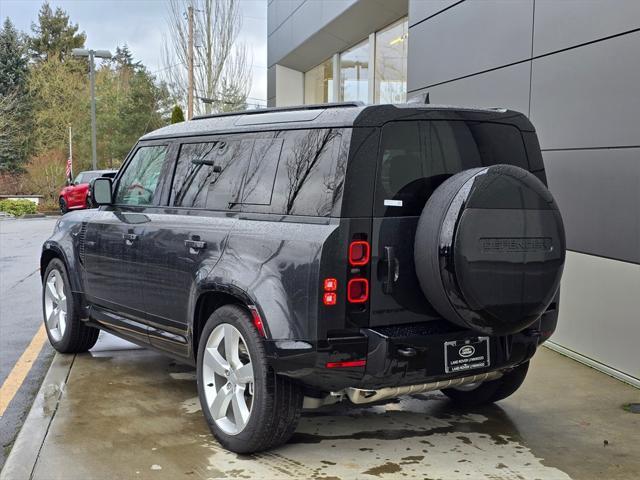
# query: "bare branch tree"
[[222, 70]]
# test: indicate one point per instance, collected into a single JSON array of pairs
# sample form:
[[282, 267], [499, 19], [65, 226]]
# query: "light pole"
[[82, 52]]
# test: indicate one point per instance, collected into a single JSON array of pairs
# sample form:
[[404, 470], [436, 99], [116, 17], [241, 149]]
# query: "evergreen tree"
[[14, 104], [177, 115], [54, 35], [13, 59]]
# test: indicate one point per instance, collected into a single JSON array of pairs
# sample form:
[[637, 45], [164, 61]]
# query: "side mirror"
[[101, 191]]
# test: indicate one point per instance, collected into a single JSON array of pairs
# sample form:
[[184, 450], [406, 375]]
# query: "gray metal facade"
[[573, 66]]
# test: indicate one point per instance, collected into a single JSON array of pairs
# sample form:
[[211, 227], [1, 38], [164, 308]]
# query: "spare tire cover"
[[490, 249]]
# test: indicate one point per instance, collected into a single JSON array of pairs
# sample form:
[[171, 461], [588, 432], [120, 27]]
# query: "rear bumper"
[[397, 356]]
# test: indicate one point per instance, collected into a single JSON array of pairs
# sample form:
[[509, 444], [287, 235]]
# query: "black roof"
[[332, 115]]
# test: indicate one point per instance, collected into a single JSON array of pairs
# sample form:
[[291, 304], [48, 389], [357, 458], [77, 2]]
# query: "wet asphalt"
[[20, 314]]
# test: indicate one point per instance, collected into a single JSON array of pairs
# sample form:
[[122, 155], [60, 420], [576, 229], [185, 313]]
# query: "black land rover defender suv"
[[302, 256]]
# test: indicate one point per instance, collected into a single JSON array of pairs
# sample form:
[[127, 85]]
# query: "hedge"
[[17, 207]]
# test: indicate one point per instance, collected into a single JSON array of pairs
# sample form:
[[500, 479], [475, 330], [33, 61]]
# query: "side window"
[[139, 182], [306, 180], [416, 157], [261, 174], [211, 174]]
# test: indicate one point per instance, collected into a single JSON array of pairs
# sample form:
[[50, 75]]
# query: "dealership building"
[[572, 66]]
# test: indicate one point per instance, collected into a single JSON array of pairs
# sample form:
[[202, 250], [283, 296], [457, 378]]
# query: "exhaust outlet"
[[360, 396]]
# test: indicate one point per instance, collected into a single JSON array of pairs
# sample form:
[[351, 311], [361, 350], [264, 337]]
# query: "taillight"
[[330, 284], [358, 290], [330, 298], [359, 253]]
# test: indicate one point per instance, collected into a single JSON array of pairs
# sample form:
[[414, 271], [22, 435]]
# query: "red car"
[[76, 196]]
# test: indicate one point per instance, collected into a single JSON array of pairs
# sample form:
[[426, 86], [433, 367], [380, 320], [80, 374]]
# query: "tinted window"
[[210, 174], [139, 182], [309, 179], [416, 157], [261, 173], [86, 177]]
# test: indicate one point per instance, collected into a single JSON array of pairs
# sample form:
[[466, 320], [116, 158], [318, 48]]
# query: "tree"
[[54, 35], [177, 115], [222, 71], [60, 96], [132, 103], [14, 105], [13, 59]]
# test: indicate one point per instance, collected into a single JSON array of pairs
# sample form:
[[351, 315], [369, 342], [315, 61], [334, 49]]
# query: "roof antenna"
[[420, 98]]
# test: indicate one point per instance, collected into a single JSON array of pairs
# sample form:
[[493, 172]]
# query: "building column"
[[289, 87]]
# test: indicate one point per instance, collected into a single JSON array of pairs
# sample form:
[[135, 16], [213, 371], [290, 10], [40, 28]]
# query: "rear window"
[[416, 157]]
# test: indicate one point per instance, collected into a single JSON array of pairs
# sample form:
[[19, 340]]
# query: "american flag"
[[68, 169]]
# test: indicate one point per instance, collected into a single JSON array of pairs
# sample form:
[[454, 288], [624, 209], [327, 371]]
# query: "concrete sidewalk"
[[129, 414]]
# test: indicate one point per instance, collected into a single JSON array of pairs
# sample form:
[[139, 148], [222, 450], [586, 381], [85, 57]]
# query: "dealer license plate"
[[463, 355]]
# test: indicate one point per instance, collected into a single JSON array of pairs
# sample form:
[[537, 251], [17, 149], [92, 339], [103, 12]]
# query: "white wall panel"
[[599, 317]]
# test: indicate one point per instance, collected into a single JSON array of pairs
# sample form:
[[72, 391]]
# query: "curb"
[[26, 449]]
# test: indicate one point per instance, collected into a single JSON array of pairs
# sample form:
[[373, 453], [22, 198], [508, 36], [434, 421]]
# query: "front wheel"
[[247, 406], [488, 392], [66, 332]]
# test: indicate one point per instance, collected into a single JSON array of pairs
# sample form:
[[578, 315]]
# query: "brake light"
[[358, 290], [350, 363], [359, 253], [330, 298], [330, 284]]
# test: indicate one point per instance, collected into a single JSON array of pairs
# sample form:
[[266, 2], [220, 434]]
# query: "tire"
[[490, 248], [88, 203], [275, 406], [66, 332], [63, 205], [489, 392]]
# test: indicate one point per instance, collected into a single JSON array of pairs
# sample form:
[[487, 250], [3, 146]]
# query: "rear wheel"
[[66, 332], [64, 208], [248, 407], [488, 392]]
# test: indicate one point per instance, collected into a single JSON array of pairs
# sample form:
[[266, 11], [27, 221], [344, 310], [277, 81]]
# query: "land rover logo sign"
[[466, 351]]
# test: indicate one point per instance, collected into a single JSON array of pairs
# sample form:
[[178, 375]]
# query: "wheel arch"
[[211, 299]]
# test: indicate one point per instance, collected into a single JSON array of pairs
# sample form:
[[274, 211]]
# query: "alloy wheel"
[[227, 377], [55, 305]]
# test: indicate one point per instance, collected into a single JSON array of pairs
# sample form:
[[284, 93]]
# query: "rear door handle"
[[129, 238], [195, 244]]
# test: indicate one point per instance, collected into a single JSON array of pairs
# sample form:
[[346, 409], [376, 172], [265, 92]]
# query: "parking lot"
[[124, 412]]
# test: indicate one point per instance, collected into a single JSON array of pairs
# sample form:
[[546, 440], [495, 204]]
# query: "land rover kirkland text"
[[303, 256]]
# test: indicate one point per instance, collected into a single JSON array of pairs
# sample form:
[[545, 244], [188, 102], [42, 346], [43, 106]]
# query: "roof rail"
[[282, 109]]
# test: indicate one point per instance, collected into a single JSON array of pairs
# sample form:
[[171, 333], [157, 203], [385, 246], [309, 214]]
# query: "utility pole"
[[190, 64], [92, 81], [92, 54]]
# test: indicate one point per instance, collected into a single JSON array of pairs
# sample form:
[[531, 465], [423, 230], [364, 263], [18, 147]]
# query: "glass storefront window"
[[318, 83], [390, 84], [354, 68]]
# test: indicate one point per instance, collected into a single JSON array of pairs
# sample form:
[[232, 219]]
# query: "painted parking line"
[[21, 369]]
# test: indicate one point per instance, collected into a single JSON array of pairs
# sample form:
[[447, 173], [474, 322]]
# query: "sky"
[[141, 24]]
